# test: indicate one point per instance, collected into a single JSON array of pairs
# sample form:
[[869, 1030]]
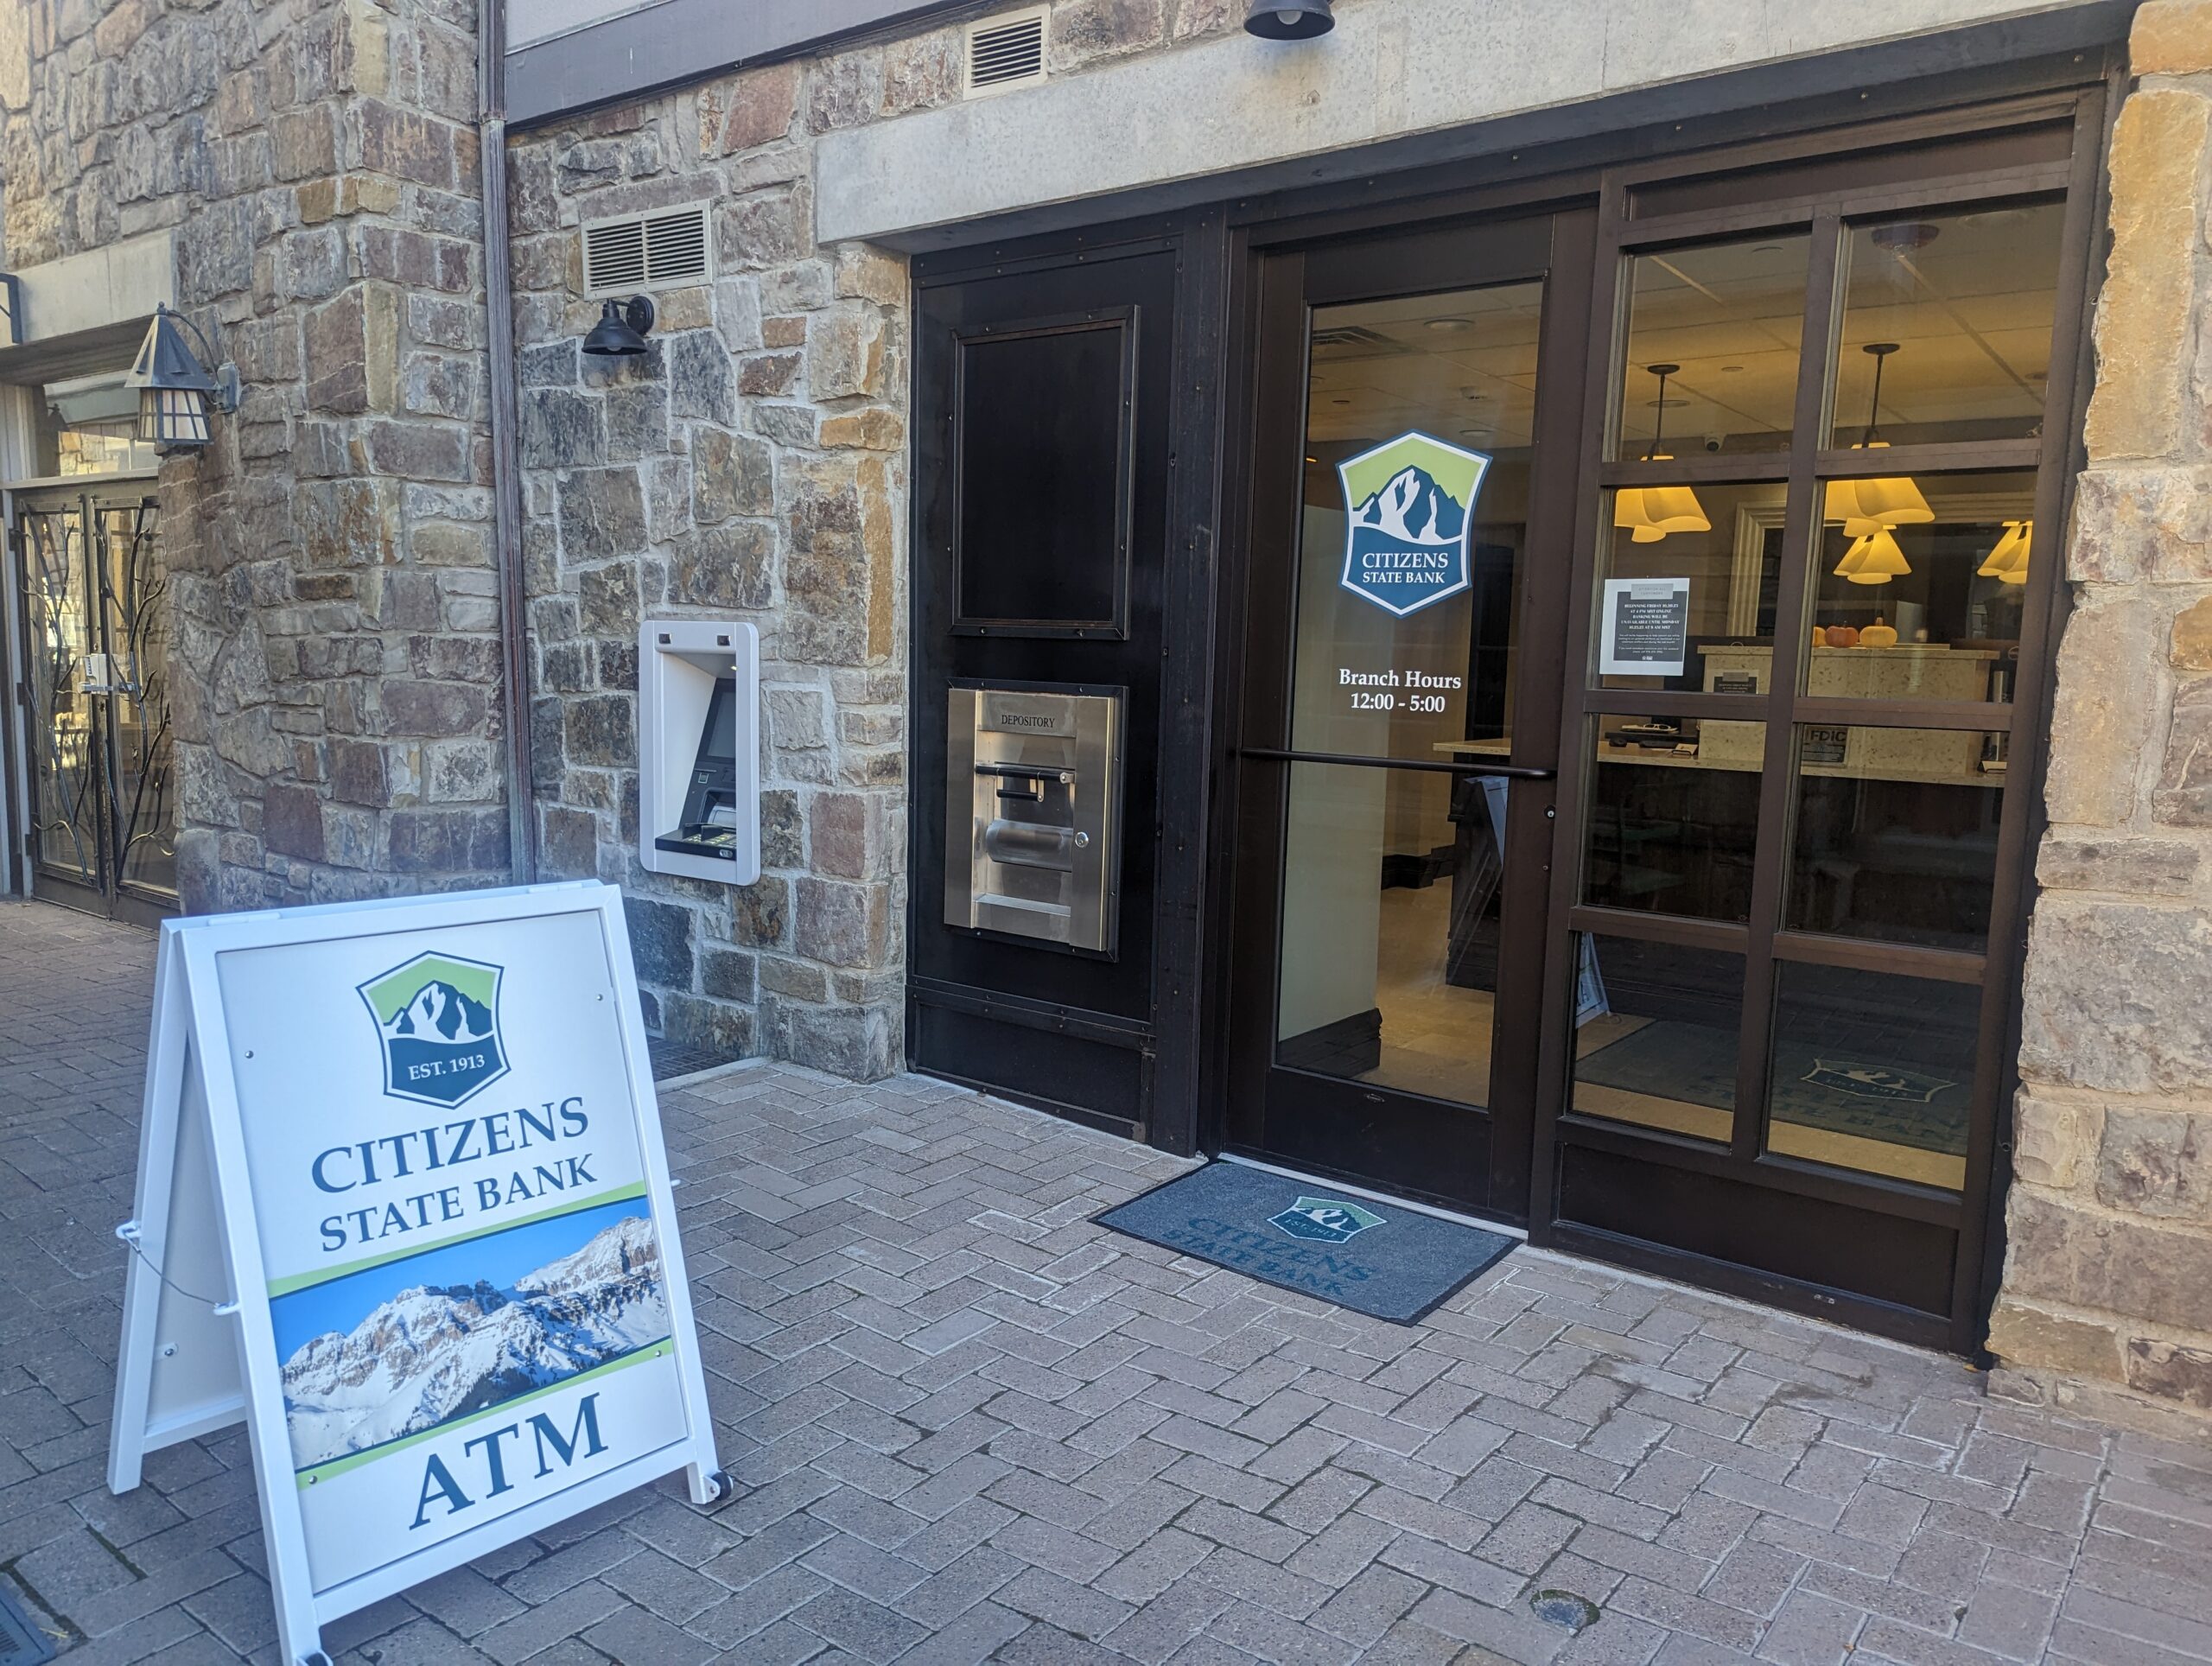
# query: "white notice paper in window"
[[1646, 625]]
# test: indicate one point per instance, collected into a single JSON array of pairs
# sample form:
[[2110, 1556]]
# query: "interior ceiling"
[[1967, 298]]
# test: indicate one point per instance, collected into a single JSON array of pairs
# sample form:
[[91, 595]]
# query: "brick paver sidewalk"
[[970, 1424]]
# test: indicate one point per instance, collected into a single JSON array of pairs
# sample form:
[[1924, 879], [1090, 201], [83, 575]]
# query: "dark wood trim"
[[1877, 1193], [1698, 468], [1973, 456], [1872, 954], [1777, 788], [1189, 705], [997, 1004], [1746, 1284], [1729, 936]]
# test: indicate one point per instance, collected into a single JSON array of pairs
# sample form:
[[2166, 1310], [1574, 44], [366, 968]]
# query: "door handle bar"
[[1509, 771]]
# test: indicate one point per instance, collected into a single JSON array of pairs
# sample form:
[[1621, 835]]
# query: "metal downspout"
[[506, 472]]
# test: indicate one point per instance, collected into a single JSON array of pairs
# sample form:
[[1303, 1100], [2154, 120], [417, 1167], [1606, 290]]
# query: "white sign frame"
[[189, 1365], [1675, 591]]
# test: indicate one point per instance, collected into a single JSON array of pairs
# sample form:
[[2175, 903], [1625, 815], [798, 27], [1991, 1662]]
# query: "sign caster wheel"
[[725, 1489], [318, 1658]]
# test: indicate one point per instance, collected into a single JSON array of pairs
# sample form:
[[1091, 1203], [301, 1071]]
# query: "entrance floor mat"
[[1376, 1258]]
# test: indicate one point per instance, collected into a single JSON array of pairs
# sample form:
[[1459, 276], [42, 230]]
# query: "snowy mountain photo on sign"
[[430, 1347]]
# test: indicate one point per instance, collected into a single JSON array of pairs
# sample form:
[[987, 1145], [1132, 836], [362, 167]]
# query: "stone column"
[[334, 658], [2108, 1268]]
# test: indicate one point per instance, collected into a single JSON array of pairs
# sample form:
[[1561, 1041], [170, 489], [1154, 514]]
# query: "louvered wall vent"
[[647, 251], [1006, 51]]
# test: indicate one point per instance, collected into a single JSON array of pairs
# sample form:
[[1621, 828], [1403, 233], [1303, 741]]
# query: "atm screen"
[[719, 740]]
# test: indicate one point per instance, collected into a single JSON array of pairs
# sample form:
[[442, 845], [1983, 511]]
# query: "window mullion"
[[1801, 522]]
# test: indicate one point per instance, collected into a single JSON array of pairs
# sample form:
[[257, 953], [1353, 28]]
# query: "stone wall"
[[751, 465], [2108, 1271], [333, 653]]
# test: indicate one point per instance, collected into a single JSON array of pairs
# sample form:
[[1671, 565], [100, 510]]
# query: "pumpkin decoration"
[[1843, 636]]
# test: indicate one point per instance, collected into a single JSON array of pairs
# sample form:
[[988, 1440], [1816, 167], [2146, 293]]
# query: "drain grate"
[[670, 1060], [1571, 1613], [23, 1642]]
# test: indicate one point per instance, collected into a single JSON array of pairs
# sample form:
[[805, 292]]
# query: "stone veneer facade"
[[751, 465], [332, 594], [2108, 1269], [333, 583]]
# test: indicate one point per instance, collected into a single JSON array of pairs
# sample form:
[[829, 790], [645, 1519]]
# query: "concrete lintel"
[[1242, 112], [102, 287]]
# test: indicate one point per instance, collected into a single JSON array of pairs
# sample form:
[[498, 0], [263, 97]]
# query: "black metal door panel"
[[1042, 428], [97, 733]]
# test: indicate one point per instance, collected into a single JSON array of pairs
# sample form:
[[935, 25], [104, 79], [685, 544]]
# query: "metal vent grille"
[[1006, 51], [1350, 338], [647, 251]]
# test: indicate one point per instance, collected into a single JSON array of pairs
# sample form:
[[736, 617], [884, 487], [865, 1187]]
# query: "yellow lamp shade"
[[1879, 560], [1650, 512], [2008, 562], [1865, 507]]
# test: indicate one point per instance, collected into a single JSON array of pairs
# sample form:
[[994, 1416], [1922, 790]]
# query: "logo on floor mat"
[[438, 1017], [1873, 1082], [1325, 1220]]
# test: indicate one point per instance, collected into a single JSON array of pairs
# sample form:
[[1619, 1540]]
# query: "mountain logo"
[[1325, 1220], [1410, 508], [1875, 1081], [438, 1018]]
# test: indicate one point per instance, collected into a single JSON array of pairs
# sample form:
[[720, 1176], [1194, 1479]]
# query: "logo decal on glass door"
[[1410, 507]]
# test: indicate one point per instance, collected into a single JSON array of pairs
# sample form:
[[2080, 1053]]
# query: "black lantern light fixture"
[[176, 392], [622, 328], [1289, 19]]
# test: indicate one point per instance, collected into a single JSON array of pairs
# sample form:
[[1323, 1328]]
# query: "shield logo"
[[1325, 1220], [1409, 510], [438, 1018]]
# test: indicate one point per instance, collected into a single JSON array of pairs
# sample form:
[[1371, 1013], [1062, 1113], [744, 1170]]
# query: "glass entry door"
[[1412, 500], [102, 792]]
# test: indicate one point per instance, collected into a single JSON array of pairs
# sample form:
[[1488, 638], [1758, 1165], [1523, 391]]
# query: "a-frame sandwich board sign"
[[403, 1208]]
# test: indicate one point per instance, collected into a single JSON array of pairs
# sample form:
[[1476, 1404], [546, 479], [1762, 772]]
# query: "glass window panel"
[[1873, 1071], [1392, 885], [1928, 607], [1673, 816], [1896, 833], [1955, 310], [1721, 322], [1732, 564], [1395, 672], [1657, 1032]]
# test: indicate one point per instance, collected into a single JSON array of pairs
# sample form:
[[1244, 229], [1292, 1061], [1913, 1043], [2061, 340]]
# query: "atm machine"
[[1034, 812], [699, 749]]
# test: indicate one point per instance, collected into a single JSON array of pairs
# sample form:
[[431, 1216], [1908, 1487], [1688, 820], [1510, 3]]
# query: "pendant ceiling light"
[[1869, 506], [1650, 512], [2008, 562], [1873, 558]]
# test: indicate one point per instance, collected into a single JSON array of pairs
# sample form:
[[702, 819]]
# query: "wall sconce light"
[[176, 392], [1289, 19], [622, 328]]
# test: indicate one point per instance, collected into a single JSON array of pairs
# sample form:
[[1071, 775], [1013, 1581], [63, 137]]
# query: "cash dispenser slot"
[[1032, 806]]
